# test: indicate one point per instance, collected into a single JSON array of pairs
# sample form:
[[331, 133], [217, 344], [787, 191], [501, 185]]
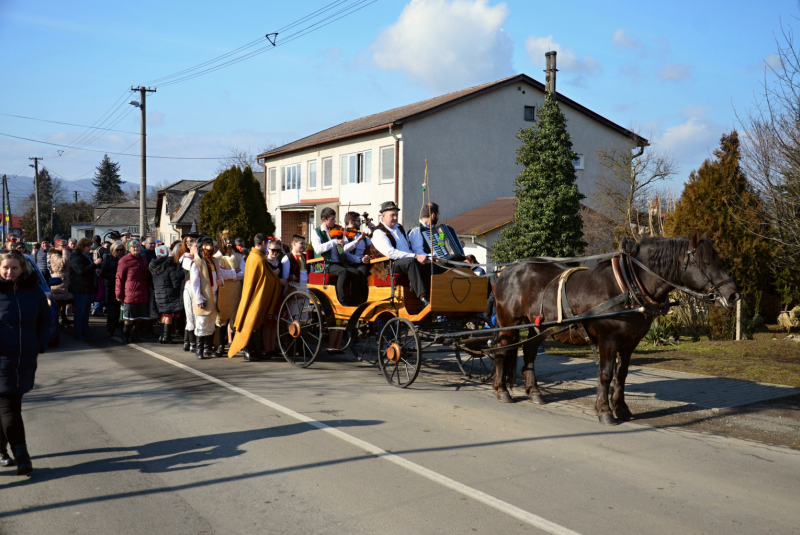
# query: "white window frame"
[[272, 179], [349, 166], [330, 176], [381, 178], [578, 162], [295, 180], [312, 163]]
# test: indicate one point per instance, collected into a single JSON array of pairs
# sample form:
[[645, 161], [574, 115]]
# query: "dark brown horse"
[[528, 289]]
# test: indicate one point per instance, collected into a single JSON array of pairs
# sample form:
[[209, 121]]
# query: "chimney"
[[550, 72]]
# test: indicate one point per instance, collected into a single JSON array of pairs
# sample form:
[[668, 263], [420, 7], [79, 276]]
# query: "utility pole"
[[143, 164], [4, 209], [76, 196], [36, 196], [52, 214]]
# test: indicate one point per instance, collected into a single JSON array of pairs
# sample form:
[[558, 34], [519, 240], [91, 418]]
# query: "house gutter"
[[396, 167]]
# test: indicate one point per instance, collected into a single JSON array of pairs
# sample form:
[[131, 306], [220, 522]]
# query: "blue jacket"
[[24, 330]]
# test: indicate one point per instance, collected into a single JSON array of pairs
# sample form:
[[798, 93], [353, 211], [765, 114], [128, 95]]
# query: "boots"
[[221, 336], [208, 347], [192, 341], [5, 459], [166, 334], [126, 333], [200, 346], [136, 333], [24, 465], [187, 340]]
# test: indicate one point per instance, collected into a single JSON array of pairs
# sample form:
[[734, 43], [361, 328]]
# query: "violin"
[[337, 232]]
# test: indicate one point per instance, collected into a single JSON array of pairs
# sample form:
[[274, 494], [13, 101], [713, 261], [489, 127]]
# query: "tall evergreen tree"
[[236, 204], [51, 193], [719, 198], [108, 182], [547, 219]]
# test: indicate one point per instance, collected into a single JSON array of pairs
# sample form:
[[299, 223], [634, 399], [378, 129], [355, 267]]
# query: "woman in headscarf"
[[168, 278], [133, 291], [82, 270], [204, 279], [59, 268], [108, 272], [24, 329]]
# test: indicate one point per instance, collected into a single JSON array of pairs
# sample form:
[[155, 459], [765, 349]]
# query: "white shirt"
[[357, 254], [381, 242], [329, 246], [415, 238], [194, 278]]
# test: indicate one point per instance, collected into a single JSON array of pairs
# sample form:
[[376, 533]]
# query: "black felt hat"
[[389, 205]]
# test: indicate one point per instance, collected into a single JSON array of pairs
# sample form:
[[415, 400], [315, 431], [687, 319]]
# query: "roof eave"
[[269, 155]]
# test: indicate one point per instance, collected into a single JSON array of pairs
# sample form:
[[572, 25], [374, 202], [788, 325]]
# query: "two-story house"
[[468, 139]]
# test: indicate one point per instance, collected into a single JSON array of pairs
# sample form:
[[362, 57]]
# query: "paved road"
[[147, 439]]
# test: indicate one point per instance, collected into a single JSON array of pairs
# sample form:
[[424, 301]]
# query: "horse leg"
[[617, 398], [608, 353], [529, 373], [505, 368]]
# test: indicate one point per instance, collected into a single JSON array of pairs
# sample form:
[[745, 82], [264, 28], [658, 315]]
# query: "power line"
[[68, 124], [108, 151]]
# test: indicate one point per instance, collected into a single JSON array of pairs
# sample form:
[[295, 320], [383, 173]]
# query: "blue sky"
[[678, 71]]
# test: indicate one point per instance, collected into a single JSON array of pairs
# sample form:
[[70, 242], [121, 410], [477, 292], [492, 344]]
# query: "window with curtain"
[[327, 172], [312, 174], [356, 168], [387, 164]]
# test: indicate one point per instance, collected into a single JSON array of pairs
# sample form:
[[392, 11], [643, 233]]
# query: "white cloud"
[[675, 72], [620, 39], [447, 45], [566, 60], [773, 61], [155, 118], [689, 142]]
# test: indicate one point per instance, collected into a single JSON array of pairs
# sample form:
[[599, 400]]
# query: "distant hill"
[[21, 187]]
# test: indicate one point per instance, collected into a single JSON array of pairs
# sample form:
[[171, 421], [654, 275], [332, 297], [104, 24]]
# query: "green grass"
[[762, 359]]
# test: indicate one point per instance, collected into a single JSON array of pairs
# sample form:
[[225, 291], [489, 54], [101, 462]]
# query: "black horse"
[[528, 289]]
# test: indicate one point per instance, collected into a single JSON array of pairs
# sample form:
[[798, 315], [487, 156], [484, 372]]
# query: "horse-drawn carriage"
[[393, 327], [610, 307]]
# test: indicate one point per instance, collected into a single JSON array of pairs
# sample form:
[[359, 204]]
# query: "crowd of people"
[[215, 296]]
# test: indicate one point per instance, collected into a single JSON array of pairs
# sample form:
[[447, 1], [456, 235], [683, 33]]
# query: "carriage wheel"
[[399, 353], [300, 329], [482, 366], [363, 346]]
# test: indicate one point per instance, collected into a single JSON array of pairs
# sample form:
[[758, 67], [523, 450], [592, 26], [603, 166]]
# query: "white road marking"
[[491, 501]]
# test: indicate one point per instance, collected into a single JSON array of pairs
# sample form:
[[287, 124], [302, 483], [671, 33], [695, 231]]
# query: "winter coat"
[[133, 280], [168, 280], [81, 274], [148, 255], [24, 329], [40, 259], [59, 267], [108, 272]]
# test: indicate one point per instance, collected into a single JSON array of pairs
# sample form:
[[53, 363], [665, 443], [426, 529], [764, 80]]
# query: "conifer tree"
[[719, 198], [236, 204], [547, 219], [108, 182]]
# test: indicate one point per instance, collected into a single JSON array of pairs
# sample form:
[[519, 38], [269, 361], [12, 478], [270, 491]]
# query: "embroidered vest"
[[391, 237]]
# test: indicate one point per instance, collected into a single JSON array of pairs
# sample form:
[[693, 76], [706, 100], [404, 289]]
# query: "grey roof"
[[124, 214], [398, 116], [184, 185], [190, 204]]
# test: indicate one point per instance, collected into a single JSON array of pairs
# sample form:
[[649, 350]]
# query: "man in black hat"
[[390, 238]]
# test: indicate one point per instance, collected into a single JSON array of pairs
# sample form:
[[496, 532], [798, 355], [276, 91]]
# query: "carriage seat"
[[322, 279], [399, 280]]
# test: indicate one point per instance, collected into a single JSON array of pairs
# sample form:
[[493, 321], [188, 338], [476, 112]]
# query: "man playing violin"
[[359, 257], [329, 242]]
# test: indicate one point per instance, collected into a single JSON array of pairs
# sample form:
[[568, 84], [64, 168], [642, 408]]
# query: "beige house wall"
[[351, 197], [471, 150]]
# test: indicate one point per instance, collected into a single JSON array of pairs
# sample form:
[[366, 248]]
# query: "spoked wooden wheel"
[[300, 329], [364, 346], [399, 352]]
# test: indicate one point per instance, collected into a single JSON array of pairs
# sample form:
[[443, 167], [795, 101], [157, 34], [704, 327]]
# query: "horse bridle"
[[714, 292]]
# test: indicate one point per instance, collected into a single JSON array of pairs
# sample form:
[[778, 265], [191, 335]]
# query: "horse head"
[[703, 272]]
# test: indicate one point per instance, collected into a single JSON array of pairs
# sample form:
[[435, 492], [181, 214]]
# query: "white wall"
[[471, 150], [352, 197]]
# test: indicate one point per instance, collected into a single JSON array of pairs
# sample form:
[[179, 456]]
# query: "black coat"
[[168, 280], [148, 255], [24, 329], [81, 274], [108, 272]]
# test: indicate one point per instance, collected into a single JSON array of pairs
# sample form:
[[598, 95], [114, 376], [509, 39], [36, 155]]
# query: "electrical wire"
[[118, 154], [103, 118], [68, 124]]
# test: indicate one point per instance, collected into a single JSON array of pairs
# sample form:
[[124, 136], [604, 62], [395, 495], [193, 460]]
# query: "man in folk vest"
[[443, 244], [391, 240], [333, 251]]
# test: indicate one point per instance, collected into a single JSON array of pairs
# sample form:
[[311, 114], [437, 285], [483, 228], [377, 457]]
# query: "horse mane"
[[664, 256]]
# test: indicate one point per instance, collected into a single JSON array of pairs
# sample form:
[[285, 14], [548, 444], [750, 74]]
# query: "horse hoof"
[[505, 397], [624, 415], [607, 418], [538, 399]]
